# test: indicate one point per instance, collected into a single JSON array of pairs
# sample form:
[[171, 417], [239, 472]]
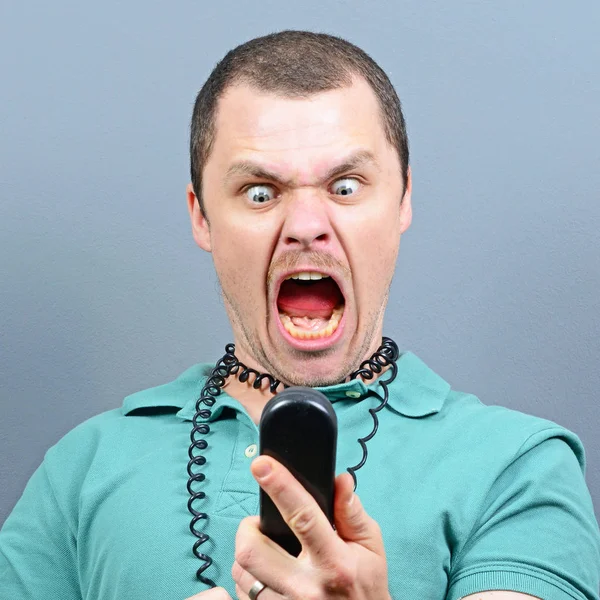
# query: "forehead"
[[303, 134]]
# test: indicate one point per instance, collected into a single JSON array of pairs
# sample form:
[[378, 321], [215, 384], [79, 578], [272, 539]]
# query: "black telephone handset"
[[298, 427]]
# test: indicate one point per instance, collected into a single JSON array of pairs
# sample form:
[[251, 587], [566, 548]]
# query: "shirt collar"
[[416, 392]]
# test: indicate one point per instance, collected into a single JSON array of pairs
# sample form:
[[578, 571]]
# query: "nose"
[[307, 224]]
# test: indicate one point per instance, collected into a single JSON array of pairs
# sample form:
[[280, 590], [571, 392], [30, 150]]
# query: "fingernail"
[[262, 468], [351, 499]]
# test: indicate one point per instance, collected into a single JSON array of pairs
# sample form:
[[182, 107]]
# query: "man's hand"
[[213, 594], [347, 563]]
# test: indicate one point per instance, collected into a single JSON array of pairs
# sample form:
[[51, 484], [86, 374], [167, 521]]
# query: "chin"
[[314, 372]]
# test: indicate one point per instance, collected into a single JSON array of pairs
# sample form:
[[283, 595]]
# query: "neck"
[[253, 400], [254, 390]]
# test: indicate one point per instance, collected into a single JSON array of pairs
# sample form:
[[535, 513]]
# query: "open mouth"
[[310, 305]]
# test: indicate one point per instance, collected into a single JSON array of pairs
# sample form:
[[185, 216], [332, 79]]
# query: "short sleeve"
[[536, 533], [38, 547]]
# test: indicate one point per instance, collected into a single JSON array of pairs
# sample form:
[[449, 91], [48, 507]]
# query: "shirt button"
[[251, 450], [352, 394]]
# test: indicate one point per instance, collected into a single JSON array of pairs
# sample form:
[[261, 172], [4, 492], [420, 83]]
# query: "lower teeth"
[[304, 334]]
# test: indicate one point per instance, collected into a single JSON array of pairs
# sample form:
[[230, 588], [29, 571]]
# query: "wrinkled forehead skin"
[[299, 136]]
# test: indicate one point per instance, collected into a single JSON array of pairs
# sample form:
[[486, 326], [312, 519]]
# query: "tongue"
[[303, 299]]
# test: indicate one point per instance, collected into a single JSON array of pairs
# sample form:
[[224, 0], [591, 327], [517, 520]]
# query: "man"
[[301, 190]]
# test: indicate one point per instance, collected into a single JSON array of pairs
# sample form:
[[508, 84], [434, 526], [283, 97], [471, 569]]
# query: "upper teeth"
[[306, 275]]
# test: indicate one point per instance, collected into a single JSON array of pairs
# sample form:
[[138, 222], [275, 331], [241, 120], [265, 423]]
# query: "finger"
[[218, 593], [245, 581], [263, 558], [344, 489], [352, 522], [298, 509]]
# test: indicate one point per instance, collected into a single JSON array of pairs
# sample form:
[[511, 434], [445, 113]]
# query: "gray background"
[[104, 292]]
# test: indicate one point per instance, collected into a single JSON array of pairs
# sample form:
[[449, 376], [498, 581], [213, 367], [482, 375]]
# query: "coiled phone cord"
[[385, 356]]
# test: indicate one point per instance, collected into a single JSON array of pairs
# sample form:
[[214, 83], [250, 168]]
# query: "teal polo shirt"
[[469, 497]]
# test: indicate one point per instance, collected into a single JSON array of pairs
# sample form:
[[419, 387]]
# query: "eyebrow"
[[360, 158]]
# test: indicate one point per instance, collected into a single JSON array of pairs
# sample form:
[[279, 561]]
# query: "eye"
[[260, 194], [345, 187]]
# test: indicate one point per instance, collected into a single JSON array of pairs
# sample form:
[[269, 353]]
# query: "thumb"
[[352, 522]]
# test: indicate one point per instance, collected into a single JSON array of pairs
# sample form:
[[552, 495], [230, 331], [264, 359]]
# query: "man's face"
[[305, 208]]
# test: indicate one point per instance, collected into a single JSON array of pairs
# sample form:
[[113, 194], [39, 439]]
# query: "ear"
[[200, 228], [405, 205]]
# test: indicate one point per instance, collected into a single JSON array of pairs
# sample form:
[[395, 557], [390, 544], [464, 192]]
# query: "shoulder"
[[447, 419], [504, 432], [99, 440], [108, 440], [524, 495], [85, 438]]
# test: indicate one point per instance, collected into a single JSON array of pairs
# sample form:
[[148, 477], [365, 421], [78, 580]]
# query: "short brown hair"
[[294, 64]]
